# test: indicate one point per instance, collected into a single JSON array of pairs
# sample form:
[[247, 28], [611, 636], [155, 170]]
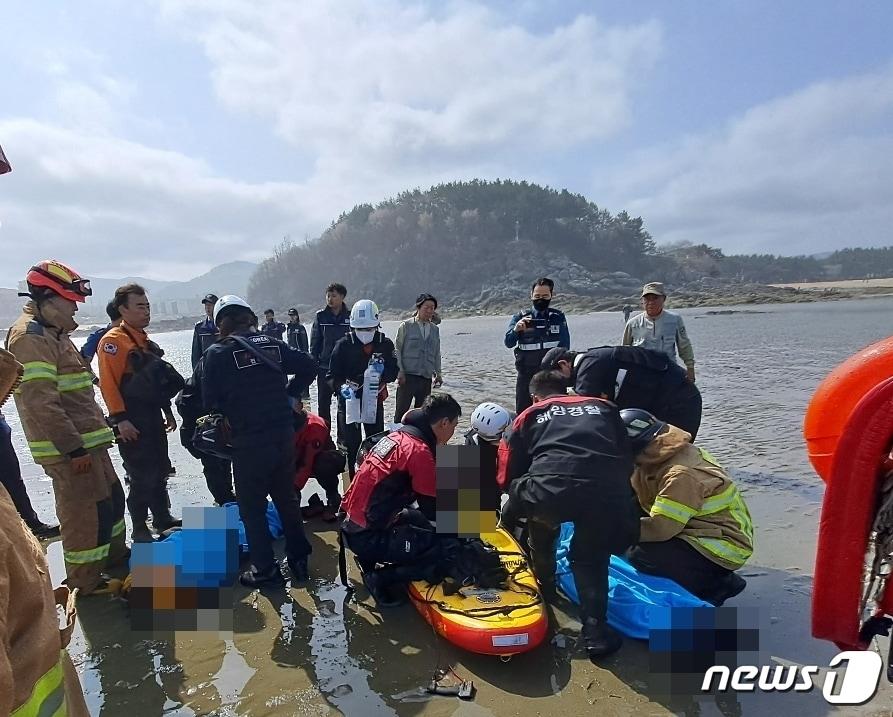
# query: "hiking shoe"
[[271, 577], [141, 534], [300, 570], [385, 596], [329, 514], [43, 531], [313, 508], [600, 639]]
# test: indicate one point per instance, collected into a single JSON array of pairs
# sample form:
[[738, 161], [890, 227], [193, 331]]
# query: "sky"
[[160, 138]]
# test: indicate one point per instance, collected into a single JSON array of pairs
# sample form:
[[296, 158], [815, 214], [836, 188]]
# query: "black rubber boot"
[[725, 589], [161, 512], [138, 514], [300, 569], [600, 639], [384, 588]]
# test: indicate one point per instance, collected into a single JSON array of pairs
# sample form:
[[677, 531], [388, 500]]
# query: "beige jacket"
[[55, 399], [686, 493], [36, 674]]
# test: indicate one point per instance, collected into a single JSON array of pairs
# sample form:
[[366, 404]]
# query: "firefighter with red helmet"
[[65, 428]]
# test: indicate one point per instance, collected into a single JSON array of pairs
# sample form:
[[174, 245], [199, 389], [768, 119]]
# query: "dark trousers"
[[415, 389], [522, 386], [11, 476], [219, 477], [324, 396], [265, 470], [407, 551], [353, 432], [679, 561], [148, 465], [602, 525], [327, 470], [683, 409]]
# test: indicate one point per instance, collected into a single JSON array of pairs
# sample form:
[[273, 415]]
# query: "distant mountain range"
[[169, 298]]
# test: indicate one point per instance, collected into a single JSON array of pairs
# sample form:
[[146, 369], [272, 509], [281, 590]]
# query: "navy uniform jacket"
[[204, 334], [297, 336], [571, 445], [275, 330], [531, 346], [250, 393], [326, 331]]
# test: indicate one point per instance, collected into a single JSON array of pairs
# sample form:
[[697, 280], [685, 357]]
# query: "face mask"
[[541, 304], [365, 335]]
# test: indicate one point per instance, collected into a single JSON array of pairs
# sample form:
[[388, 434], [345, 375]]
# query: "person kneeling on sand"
[[395, 543], [317, 456], [697, 530]]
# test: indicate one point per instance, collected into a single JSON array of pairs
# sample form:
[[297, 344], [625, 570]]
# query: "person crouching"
[[394, 543], [698, 529], [317, 456], [567, 459]]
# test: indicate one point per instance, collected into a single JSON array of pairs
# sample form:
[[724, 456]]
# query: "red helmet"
[[57, 277]]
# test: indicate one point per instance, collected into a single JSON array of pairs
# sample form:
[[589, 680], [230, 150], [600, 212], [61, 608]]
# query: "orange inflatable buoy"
[[836, 397]]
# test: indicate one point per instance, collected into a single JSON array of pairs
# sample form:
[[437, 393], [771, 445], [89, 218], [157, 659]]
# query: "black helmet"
[[641, 427]]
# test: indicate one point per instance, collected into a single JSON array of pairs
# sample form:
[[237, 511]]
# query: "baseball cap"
[[552, 357], [210, 299], [654, 287]]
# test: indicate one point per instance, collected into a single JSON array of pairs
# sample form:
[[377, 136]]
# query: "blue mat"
[[632, 596]]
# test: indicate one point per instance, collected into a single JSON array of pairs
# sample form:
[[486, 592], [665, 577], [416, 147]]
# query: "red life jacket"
[[397, 469]]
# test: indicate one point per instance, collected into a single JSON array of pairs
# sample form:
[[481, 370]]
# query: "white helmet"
[[225, 302], [364, 315], [490, 420]]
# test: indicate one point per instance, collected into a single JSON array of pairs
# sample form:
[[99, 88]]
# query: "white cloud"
[[378, 95], [805, 173], [400, 88], [113, 207]]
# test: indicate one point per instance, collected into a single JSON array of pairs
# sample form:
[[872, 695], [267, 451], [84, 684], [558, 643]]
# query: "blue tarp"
[[632, 596]]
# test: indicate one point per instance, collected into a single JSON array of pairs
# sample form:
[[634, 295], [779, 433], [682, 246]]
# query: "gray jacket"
[[417, 355], [666, 334]]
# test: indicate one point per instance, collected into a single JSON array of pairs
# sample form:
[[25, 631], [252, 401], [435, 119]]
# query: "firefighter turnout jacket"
[[687, 494], [55, 400]]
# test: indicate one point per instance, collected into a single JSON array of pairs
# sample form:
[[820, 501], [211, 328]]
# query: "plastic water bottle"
[[352, 408], [371, 384]]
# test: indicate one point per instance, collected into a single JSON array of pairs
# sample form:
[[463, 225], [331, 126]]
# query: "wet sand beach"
[[316, 651]]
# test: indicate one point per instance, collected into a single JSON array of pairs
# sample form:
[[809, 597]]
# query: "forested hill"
[[477, 243]]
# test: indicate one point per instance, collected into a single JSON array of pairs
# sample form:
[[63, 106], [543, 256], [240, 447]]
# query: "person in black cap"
[[297, 334], [205, 332], [632, 377]]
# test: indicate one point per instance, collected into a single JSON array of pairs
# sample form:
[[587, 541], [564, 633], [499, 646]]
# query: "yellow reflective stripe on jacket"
[[118, 528], [671, 509], [82, 557], [91, 439], [75, 381], [48, 696], [716, 503], [99, 437], [39, 370], [724, 549], [43, 449]]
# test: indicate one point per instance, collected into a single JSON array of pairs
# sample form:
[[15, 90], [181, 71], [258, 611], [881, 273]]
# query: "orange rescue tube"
[[836, 397]]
